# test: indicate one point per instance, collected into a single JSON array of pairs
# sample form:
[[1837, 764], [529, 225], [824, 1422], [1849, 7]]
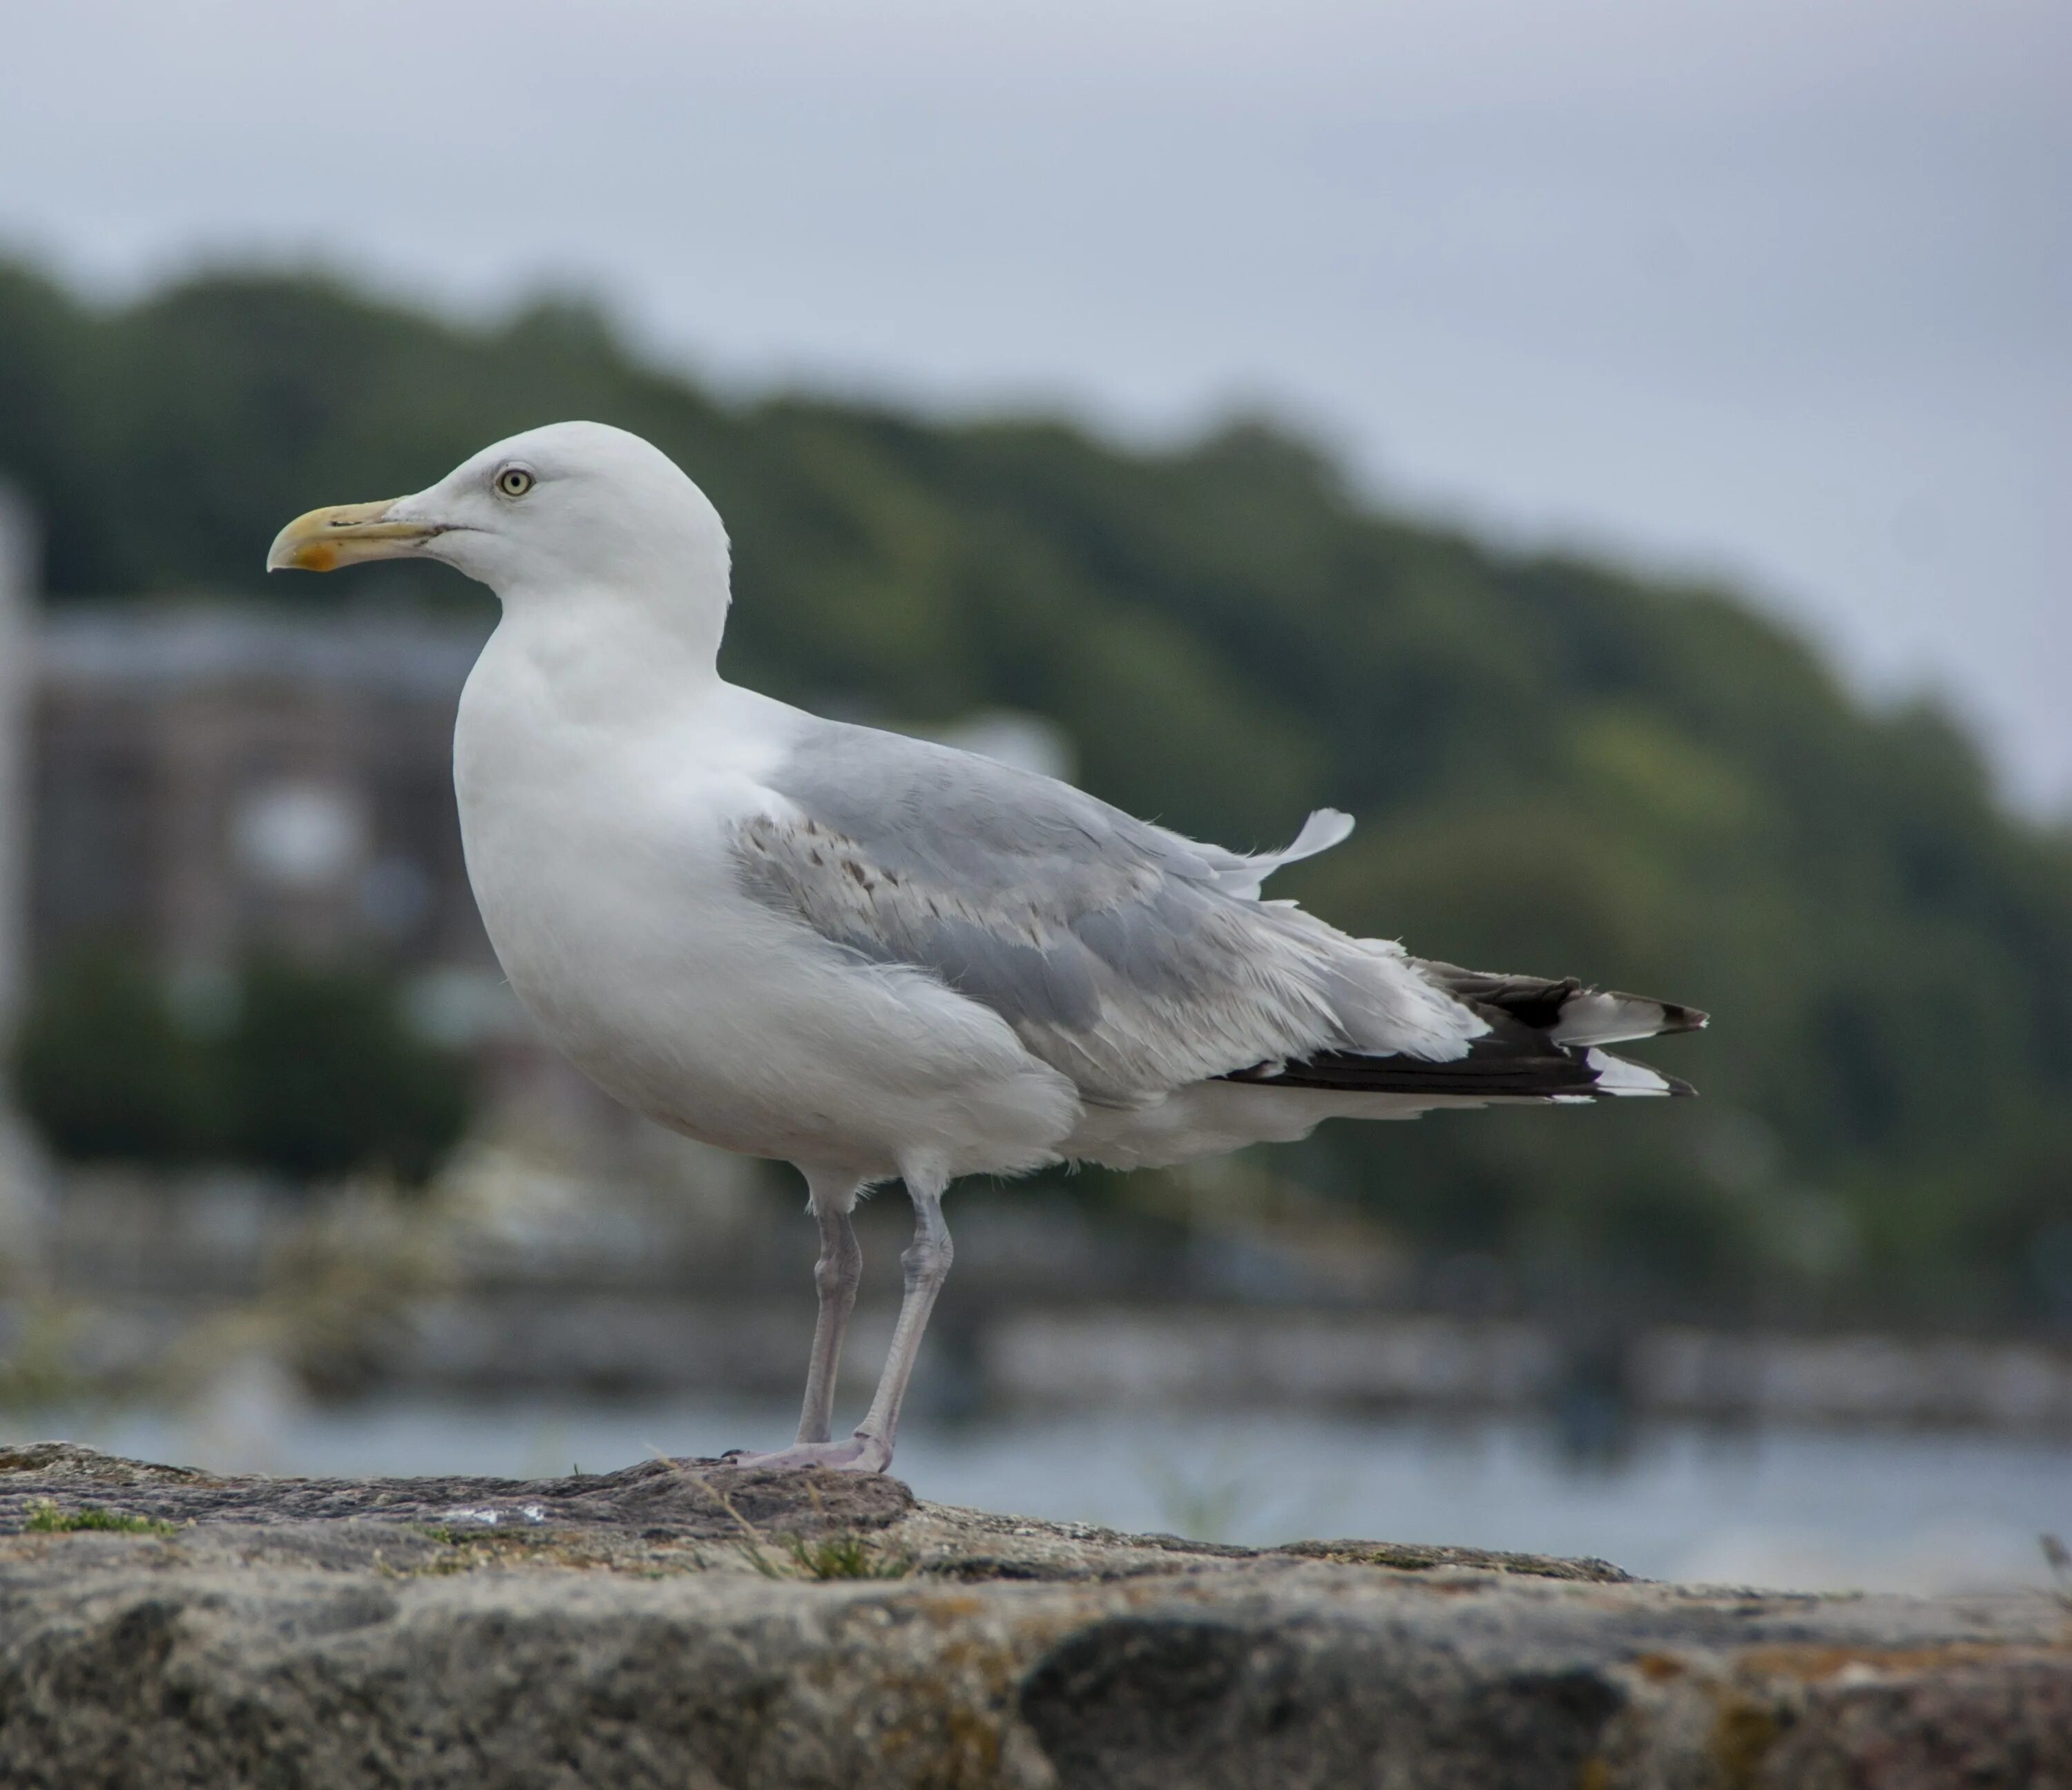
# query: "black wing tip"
[[1675, 1016], [1563, 1073], [1541, 1003], [1678, 1018]]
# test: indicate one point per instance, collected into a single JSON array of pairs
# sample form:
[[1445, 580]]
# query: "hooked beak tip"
[[345, 534]]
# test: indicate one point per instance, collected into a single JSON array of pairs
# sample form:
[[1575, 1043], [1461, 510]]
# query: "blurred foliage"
[[1558, 767], [328, 1078], [108, 1072], [311, 1074]]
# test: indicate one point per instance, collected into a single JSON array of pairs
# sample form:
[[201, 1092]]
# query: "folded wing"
[[1134, 961]]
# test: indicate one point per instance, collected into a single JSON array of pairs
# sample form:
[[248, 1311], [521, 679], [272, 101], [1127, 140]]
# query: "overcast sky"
[[1779, 286]]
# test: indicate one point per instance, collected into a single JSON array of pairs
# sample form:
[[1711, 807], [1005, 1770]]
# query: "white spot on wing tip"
[[1616, 1075]]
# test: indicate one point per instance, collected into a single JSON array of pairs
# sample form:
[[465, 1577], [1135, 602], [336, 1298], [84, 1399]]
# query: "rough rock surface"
[[698, 1624]]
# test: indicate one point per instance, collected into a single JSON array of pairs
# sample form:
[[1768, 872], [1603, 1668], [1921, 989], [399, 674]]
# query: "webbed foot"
[[855, 1454]]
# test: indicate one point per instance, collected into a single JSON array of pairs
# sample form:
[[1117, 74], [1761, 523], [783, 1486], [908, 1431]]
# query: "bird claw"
[[855, 1454]]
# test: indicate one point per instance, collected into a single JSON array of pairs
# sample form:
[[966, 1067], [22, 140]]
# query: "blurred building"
[[211, 779], [17, 570], [23, 1202]]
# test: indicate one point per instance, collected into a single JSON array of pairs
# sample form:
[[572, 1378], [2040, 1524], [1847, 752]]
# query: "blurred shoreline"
[[511, 1279]]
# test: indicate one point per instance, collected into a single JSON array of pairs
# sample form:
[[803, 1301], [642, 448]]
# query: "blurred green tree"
[[324, 1077], [317, 1073], [105, 1071]]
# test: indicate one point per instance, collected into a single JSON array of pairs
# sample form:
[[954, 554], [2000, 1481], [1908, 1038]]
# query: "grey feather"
[[1131, 959]]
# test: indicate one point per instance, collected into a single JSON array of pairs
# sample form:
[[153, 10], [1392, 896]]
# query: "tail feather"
[[1544, 1044]]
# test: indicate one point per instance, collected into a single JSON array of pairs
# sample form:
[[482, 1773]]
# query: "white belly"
[[599, 858]]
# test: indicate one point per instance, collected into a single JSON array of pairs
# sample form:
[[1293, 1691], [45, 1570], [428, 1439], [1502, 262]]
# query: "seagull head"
[[551, 515]]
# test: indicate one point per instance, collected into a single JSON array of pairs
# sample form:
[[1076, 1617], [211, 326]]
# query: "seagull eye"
[[514, 482]]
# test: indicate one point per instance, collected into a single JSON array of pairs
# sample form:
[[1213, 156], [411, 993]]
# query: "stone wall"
[[699, 1625]]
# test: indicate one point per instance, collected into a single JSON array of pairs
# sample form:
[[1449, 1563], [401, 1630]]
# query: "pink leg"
[[927, 1262], [835, 1275]]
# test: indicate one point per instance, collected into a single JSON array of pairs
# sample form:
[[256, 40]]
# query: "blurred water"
[[1786, 1509]]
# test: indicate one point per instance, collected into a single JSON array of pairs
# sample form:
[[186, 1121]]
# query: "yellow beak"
[[344, 535]]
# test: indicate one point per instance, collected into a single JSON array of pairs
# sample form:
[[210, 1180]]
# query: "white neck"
[[606, 654]]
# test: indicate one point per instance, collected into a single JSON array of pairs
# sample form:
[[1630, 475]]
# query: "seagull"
[[874, 957]]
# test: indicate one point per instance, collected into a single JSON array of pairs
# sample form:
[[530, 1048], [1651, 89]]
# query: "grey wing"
[[1131, 960]]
